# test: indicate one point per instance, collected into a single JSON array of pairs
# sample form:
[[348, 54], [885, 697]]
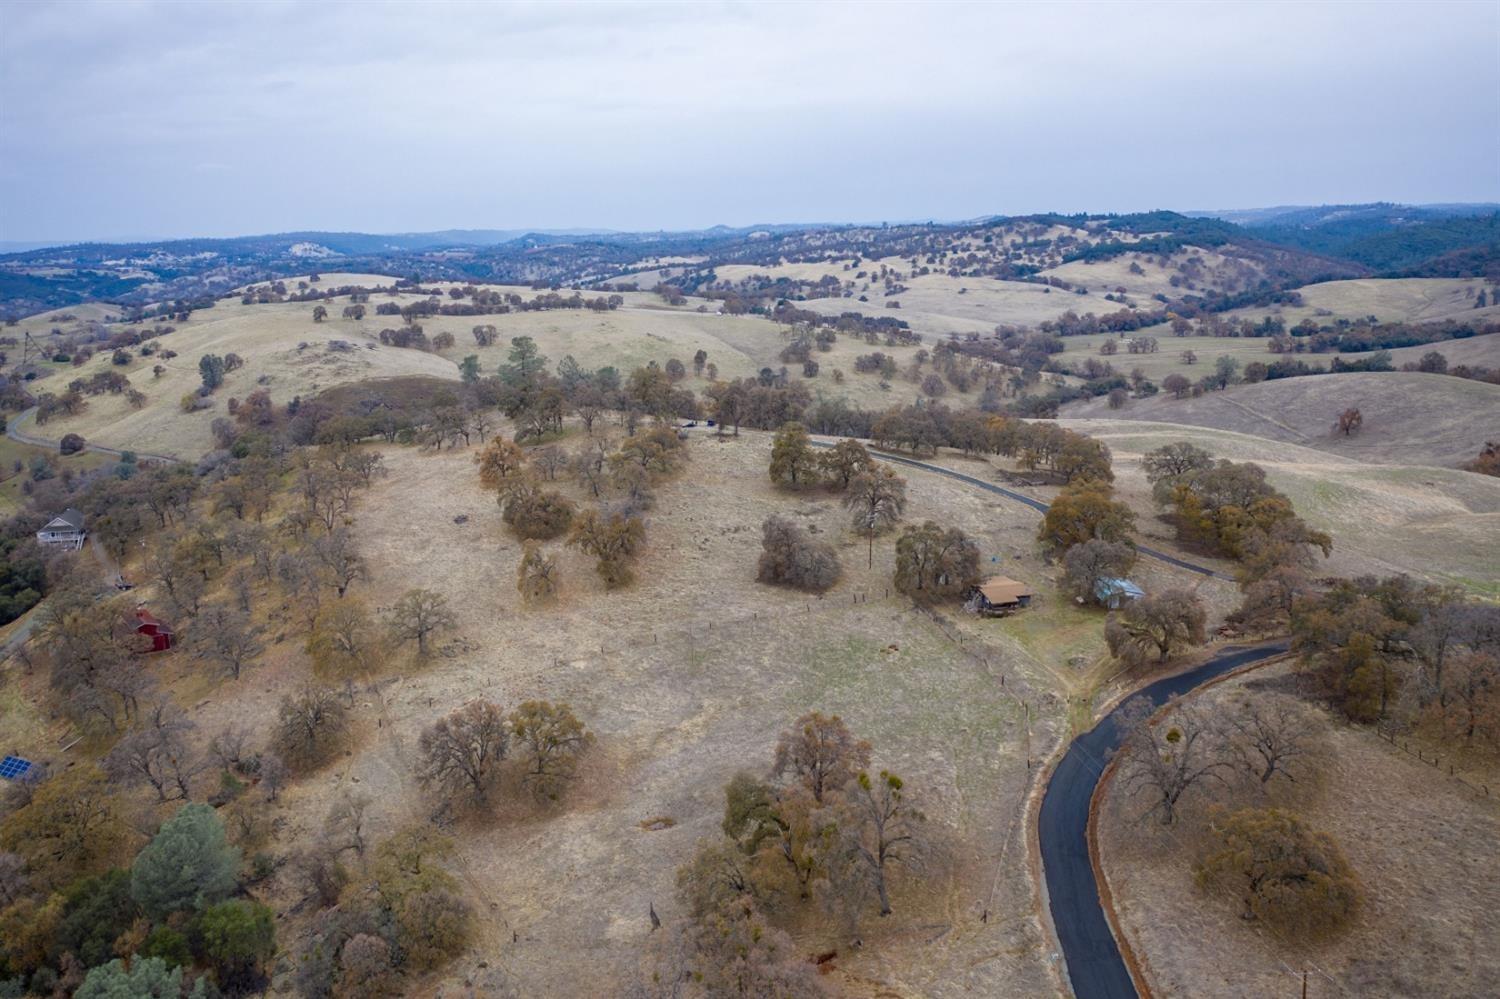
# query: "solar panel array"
[[13, 766]]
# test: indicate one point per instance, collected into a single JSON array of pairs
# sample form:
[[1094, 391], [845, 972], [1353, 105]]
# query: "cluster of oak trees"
[[74, 901], [819, 828], [621, 480], [386, 910], [932, 562], [252, 542], [1229, 509], [1402, 653], [1276, 868], [467, 754]]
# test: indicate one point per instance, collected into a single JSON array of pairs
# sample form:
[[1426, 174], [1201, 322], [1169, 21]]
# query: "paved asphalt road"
[[1035, 504], [1094, 965]]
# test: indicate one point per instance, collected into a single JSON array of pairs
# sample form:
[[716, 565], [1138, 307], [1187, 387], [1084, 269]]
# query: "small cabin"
[[148, 626], [64, 531], [999, 595], [1115, 593]]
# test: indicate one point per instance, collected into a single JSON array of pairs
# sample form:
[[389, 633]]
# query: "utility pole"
[[1304, 983], [1026, 714]]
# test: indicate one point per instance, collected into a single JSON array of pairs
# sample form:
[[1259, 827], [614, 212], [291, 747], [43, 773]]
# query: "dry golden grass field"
[[1412, 300], [1435, 523], [1409, 417], [289, 355], [1482, 350], [1206, 269], [687, 677], [1421, 844], [934, 304]]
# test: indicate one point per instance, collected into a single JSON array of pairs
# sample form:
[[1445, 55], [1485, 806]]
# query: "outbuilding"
[[1115, 593], [148, 626], [999, 595]]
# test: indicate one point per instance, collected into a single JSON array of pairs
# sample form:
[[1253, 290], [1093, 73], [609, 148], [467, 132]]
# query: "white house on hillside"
[[64, 531]]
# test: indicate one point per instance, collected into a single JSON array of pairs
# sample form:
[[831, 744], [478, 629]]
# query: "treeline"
[[1358, 336]]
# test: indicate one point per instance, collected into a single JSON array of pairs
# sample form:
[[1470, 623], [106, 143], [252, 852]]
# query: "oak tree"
[[1159, 623], [1284, 872], [552, 739], [462, 752], [876, 498], [934, 562]]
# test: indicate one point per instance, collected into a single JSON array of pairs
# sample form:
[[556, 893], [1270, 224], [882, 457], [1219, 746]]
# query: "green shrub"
[[188, 865]]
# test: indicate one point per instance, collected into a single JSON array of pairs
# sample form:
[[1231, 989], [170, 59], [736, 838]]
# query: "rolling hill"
[[1409, 418]]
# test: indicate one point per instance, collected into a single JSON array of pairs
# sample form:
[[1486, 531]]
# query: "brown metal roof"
[[1003, 590]]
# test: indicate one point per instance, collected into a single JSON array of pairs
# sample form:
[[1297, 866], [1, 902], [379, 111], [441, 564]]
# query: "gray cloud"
[[214, 119]]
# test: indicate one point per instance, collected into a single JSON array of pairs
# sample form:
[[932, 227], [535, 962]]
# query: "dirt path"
[[13, 431]]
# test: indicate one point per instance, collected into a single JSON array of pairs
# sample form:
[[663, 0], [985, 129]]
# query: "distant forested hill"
[[1285, 248], [1387, 241]]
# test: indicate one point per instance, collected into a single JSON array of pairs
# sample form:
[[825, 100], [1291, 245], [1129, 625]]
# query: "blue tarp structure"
[[1113, 593], [14, 768]]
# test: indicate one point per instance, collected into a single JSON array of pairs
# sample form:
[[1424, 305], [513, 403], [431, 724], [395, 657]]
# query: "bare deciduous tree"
[[338, 560], [791, 557], [536, 575], [1270, 735], [549, 460], [157, 752], [311, 726], [462, 752], [876, 498], [418, 614], [884, 829], [820, 752], [227, 636], [1164, 760], [342, 643], [1159, 622]]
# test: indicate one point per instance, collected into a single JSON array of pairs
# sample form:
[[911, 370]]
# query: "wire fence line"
[[1434, 760]]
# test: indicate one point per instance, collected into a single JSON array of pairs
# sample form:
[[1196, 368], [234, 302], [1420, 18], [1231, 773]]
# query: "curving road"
[[1035, 504], [1095, 968], [13, 431], [1094, 965]]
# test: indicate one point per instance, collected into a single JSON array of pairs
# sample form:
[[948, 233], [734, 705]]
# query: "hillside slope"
[[1438, 524], [1409, 418]]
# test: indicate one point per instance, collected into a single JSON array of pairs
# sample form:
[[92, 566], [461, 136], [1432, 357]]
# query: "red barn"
[[146, 624]]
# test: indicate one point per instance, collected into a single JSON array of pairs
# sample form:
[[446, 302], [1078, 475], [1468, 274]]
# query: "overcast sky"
[[124, 119]]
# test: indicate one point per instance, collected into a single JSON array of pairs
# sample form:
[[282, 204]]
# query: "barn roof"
[[1112, 585], [69, 517], [145, 617], [1003, 590]]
